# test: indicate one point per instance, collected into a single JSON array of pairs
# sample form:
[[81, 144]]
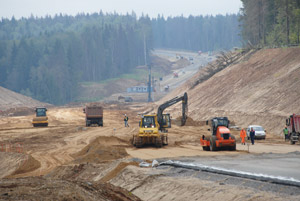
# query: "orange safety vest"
[[243, 135]]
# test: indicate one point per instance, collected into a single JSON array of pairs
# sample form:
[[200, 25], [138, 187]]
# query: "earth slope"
[[262, 89], [10, 99]]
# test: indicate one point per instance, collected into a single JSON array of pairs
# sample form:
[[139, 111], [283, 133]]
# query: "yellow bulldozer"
[[153, 128], [41, 119]]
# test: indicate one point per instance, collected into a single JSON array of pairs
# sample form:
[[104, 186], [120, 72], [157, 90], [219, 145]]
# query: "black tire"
[[292, 142], [213, 146], [206, 148]]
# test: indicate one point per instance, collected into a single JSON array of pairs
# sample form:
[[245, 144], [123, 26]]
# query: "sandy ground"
[[99, 163], [67, 149]]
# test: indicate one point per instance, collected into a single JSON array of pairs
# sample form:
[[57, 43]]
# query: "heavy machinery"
[[220, 138], [293, 125], [93, 115], [41, 119], [153, 128]]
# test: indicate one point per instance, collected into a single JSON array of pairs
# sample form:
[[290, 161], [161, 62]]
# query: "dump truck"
[[153, 129], [293, 125], [221, 138], [41, 119], [93, 115]]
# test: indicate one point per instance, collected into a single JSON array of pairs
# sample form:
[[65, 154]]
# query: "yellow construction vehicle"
[[41, 118], [153, 128]]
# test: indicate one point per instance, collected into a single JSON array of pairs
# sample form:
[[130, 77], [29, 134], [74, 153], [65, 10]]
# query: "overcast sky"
[[24, 8]]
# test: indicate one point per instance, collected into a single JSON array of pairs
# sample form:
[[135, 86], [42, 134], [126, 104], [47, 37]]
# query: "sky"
[[24, 8]]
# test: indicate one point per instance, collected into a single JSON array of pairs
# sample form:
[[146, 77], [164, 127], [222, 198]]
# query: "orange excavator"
[[221, 137]]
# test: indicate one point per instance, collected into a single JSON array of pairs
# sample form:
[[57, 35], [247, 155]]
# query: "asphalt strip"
[[235, 173]]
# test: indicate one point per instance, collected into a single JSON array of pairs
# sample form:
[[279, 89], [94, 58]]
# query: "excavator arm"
[[171, 102]]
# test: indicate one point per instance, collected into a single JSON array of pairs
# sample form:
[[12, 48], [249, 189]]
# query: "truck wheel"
[[292, 142], [213, 146]]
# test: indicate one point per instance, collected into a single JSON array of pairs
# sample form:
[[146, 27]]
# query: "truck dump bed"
[[297, 123], [94, 111]]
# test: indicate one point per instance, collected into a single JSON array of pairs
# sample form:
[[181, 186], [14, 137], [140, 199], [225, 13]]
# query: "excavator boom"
[[169, 103]]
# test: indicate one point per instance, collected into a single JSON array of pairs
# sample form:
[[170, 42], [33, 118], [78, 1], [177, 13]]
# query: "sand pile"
[[13, 164], [102, 149]]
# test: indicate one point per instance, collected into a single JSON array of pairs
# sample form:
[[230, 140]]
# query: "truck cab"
[[293, 125]]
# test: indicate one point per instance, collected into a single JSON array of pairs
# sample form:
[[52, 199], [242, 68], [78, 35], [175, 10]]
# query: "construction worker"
[[286, 133], [243, 136], [126, 121], [252, 135]]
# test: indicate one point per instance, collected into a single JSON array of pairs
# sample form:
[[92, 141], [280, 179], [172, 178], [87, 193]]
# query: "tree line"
[[271, 22], [205, 33], [46, 58]]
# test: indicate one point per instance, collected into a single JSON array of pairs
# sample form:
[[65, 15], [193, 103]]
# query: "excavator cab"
[[41, 118], [166, 123]]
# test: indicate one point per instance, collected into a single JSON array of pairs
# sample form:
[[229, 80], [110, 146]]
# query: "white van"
[[260, 132]]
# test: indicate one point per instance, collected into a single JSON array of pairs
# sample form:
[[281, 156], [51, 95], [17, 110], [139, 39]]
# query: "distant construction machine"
[[293, 125], [153, 128], [221, 137], [93, 115], [41, 119]]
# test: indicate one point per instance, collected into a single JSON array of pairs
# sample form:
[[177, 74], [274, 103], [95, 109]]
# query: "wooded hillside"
[[205, 33], [46, 58], [271, 22]]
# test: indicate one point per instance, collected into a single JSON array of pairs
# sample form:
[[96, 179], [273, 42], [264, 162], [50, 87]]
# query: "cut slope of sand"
[[263, 90], [10, 99]]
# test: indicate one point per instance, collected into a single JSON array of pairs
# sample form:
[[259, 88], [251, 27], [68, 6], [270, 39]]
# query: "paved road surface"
[[279, 165], [185, 73]]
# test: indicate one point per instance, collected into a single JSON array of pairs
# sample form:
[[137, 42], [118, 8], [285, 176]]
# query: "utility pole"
[[149, 68]]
